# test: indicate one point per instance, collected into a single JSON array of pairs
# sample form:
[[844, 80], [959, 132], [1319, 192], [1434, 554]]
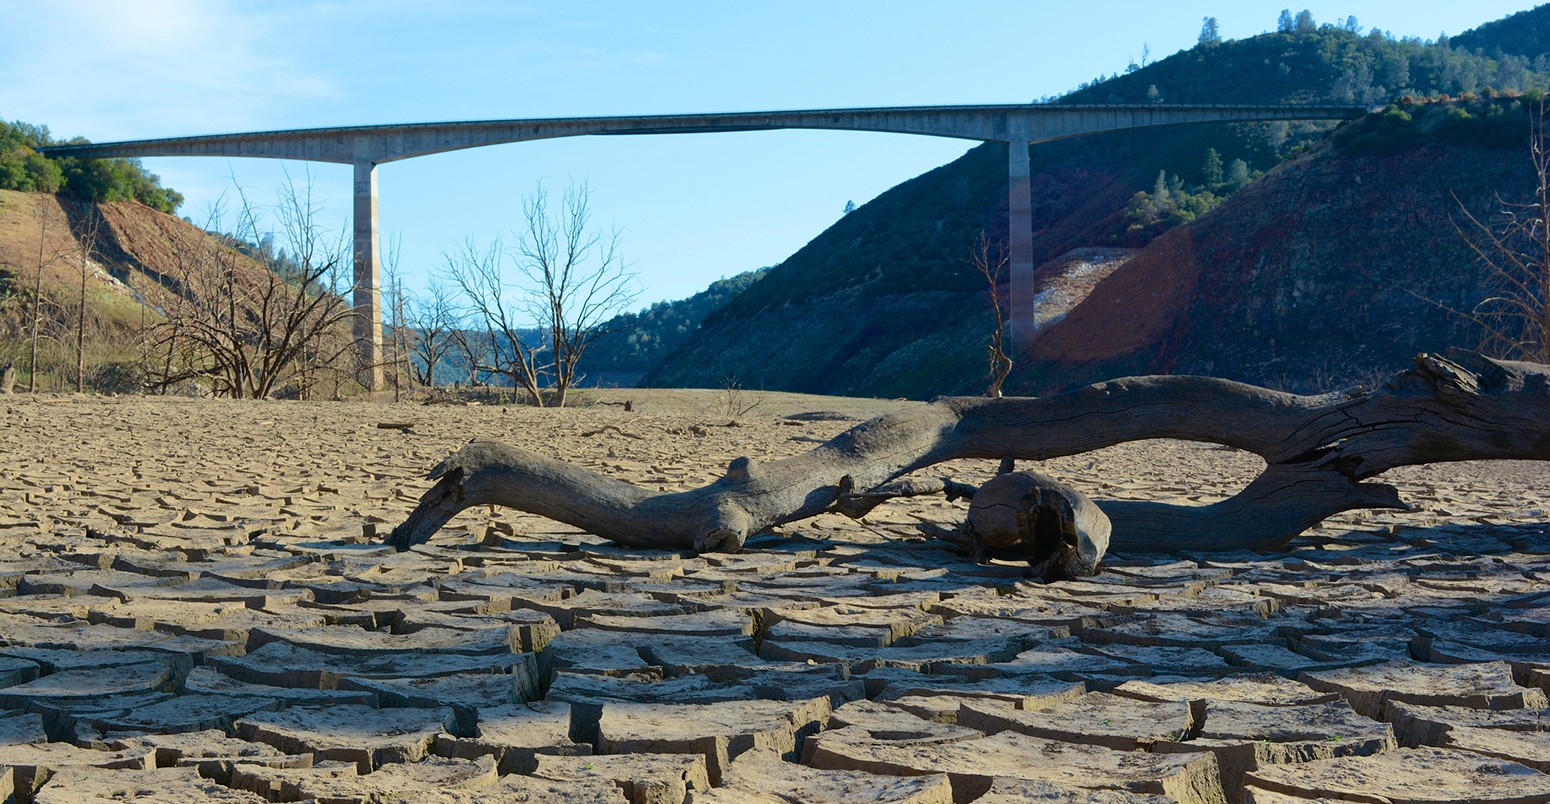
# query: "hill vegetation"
[[23, 168], [634, 342], [116, 296], [1525, 34]]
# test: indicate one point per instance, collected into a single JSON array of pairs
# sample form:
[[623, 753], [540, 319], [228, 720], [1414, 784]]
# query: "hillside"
[[139, 262], [634, 342], [884, 302], [1330, 269], [1525, 34]]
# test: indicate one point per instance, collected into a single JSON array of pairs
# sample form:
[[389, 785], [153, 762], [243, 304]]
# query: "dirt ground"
[[193, 607]]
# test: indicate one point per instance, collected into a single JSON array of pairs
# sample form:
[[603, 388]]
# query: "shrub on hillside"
[[23, 168]]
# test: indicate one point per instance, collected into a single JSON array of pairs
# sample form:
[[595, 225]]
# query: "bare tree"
[[1515, 252], [400, 336], [37, 298], [498, 307], [990, 260], [430, 319], [579, 279], [469, 345], [87, 232], [397, 327], [248, 328]]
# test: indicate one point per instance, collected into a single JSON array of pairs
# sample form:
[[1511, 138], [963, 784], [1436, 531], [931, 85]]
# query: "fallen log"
[[1319, 450]]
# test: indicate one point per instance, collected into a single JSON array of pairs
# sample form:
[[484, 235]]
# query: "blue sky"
[[690, 208]]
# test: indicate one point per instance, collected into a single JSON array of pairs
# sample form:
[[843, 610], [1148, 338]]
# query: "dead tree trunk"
[[1319, 450]]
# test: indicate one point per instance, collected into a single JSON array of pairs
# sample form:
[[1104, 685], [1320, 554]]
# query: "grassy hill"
[[884, 301]]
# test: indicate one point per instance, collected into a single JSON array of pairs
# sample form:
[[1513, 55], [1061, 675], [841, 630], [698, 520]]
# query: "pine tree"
[[1285, 24], [1210, 33], [1211, 170]]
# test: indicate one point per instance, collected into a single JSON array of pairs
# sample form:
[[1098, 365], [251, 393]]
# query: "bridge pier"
[[1019, 235], [367, 290]]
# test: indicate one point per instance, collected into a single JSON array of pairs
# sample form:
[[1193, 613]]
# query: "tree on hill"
[[1210, 33], [23, 168], [1238, 175], [1211, 169]]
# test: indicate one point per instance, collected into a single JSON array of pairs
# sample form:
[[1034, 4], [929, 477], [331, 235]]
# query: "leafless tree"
[[469, 344], [990, 260], [569, 282], [38, 300], [1514, 249], [498, 308], [578, 277], [247, 328], [87, 231], [430, 319], [397, 331], [399, 336]]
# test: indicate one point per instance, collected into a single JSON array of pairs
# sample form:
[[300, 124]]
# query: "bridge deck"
[[988, 123]]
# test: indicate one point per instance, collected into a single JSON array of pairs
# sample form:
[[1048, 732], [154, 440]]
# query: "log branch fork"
[[1319, 451]]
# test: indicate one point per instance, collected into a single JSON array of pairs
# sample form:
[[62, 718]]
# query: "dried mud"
[[193, 608]]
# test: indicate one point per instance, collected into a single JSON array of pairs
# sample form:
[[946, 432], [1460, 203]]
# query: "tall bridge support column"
[[1019, 233], [368, 276]]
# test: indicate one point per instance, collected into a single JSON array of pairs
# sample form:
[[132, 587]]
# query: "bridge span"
[[366, 147]]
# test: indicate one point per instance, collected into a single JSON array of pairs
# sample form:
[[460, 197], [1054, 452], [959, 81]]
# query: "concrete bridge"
[[365, 147]]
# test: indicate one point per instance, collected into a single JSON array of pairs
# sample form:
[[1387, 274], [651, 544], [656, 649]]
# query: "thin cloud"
[[109, 69]]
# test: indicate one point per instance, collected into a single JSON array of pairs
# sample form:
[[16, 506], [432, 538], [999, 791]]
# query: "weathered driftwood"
[[1016, 515], [1319, 450], [1057, 529]]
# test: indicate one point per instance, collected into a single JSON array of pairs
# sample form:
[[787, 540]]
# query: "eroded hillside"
[[135, 260]]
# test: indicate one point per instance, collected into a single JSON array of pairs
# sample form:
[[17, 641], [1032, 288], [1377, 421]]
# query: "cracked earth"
[[194, 607]]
